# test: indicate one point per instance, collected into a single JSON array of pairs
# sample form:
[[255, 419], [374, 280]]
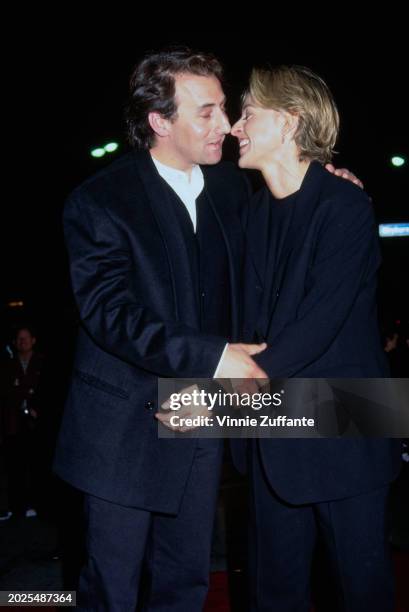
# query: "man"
[[156, 249], [156, 254], [20, 379]]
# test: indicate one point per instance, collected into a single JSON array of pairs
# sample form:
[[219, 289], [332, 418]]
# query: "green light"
[[398, 161], [111, 147], [98, 152]]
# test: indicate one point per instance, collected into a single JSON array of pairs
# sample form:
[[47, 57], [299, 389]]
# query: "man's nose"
[[223, 123]]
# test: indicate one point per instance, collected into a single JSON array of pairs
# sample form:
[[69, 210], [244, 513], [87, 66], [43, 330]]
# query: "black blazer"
[[132, 282], [321, 322]]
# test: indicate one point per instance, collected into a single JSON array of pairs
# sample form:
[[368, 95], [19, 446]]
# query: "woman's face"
[[260, 134]]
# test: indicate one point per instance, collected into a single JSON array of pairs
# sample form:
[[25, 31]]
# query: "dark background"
[[67, 83], [67, 95]]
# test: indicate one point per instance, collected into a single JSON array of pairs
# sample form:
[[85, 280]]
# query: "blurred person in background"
[[19, 382]]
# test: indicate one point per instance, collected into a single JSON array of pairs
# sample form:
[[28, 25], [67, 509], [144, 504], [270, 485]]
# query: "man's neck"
[[25, 356], [168, 159]]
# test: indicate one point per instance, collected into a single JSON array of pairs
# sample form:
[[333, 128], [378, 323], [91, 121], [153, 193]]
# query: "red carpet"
[[218, 598], [401, 560]]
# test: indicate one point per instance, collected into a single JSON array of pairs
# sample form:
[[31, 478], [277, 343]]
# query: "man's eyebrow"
[[211, 104]]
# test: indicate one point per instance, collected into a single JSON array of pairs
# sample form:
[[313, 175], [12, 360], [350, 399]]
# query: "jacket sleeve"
[[113, 315], [346, 248]]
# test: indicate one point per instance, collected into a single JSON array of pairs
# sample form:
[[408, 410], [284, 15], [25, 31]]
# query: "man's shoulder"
[[37, 360], [116, 174]]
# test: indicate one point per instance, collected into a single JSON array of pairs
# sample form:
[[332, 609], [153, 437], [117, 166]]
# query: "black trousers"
[[23, 469], [4, 499], [175, 550], [282, 539]]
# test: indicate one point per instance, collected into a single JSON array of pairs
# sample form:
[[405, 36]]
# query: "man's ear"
[[159, 124]]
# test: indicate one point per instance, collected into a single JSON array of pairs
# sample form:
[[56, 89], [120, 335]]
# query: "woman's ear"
[[290, 125]]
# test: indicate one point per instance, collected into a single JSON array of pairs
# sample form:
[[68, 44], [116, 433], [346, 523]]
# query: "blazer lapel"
[[257, 254], [258, 241], [302, 212], [183, 285], [233, 237]]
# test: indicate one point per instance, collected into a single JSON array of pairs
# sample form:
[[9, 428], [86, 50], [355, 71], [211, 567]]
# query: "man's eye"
[[206, 116]]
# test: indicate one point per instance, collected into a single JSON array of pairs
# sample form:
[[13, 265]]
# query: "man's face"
[[196, 135], [24, 341]]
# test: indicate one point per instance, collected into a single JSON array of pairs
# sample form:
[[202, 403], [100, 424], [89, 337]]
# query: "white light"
[[391, 230], [111, 147], [98, 152], [398, 161]]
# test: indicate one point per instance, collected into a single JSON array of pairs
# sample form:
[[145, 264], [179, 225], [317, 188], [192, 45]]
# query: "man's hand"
[[237, 362], [184, 412], [344, 173]]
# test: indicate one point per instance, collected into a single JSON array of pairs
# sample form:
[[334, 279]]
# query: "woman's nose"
[[237, 128]]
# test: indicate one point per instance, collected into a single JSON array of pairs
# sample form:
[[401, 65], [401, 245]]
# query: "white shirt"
[[188, 188]]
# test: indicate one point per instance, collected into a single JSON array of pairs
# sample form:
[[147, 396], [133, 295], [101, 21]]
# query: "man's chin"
[[212, 158]]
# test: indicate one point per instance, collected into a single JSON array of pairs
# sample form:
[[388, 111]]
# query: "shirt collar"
[[174, 176]]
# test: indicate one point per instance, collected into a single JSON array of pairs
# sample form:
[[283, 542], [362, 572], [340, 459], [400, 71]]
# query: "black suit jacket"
[[321, 322], [132, 282]]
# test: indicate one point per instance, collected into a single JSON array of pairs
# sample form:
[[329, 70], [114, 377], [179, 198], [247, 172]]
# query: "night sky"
[[67, 96]]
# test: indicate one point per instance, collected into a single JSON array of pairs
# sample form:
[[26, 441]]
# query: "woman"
[[311, 296]]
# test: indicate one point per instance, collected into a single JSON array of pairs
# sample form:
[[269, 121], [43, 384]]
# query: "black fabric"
[[209, 264], [131, 271], [279, 215]]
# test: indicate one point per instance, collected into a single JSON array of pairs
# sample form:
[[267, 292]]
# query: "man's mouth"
[[216, 144]]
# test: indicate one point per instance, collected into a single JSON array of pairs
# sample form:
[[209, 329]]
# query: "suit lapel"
[[172, 235], [257, 251], [258, 240], [302, 212], [274, 272], [217, 192]]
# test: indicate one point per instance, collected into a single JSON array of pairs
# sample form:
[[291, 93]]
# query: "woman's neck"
[[285, 175]]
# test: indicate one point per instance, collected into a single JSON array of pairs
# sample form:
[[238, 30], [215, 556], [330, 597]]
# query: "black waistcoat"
[[209, 264]]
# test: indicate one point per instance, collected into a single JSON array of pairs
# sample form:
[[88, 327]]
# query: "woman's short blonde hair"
[[299, 91]]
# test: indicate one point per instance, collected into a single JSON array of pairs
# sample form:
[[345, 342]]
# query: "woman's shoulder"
[[344, 192], [343, 203]]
